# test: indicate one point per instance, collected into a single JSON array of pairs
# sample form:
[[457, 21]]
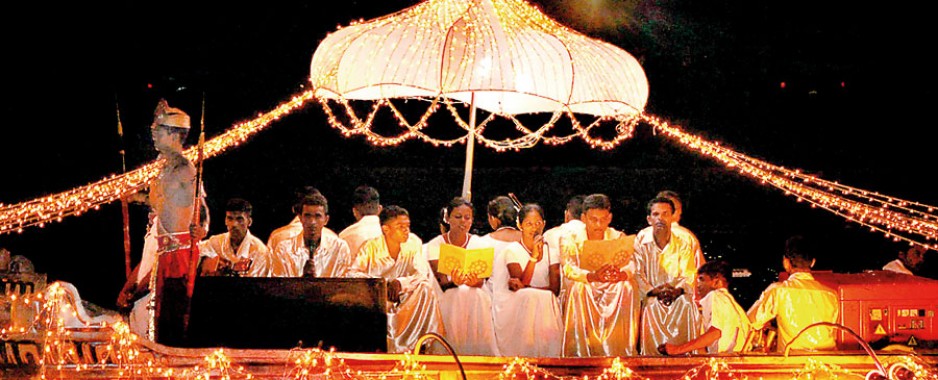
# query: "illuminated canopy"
[[512, 57]]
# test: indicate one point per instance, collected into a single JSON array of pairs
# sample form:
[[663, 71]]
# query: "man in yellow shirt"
[[798, 302]]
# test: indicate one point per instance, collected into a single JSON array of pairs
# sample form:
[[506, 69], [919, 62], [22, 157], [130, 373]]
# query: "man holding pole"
[[172, 198]]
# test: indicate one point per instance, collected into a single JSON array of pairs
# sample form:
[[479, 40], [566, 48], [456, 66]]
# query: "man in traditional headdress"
[[168, 245]]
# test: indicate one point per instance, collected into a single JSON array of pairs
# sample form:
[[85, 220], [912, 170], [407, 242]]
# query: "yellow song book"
[[596, 253], [476, 261]]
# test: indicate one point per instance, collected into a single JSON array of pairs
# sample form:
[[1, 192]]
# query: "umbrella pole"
[[470, 150]]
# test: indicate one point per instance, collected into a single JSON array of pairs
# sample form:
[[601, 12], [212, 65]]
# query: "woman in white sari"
[[465, 303], [527, 313]]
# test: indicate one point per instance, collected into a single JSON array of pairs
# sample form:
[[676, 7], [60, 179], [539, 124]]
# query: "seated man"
[[798, 302], [666, 267], [233, 252], [601, 309], [312, 253], [397, 256], [295, 227], [909, 261], [366, 207], [725, 324]]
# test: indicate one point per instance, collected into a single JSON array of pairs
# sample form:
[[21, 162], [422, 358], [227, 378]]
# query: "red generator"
[[885, 308]]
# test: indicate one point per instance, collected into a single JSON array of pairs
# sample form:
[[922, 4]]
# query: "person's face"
[[914, 257], [397, 230], [597, 221], [314, 218], [237, 223], [706, 283], [162, 138], [460, 219], [532, 224], [660, 216]]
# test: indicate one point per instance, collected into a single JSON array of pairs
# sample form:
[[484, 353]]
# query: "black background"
[[856, 108]]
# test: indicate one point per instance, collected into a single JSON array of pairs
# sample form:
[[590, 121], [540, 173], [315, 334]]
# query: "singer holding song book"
[[526, 309]]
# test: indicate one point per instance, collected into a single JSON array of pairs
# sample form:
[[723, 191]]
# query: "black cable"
[[449, 348]]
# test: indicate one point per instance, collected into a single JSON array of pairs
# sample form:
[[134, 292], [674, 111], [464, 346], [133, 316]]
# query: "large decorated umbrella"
[[504, 57]]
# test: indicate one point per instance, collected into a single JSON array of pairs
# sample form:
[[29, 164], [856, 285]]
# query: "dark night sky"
[[856, 108]]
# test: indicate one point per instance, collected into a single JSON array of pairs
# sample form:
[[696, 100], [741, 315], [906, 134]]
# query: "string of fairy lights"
[[53, 208], [126, 356], [898, 219]]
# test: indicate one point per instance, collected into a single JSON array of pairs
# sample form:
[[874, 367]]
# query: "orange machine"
[[885, 308]]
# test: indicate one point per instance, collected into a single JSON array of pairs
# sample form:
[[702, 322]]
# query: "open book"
[[475, 261], [596, 253]]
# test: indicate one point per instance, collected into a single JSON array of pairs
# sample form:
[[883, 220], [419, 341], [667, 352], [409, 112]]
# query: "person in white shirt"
[[295, 227], [466, 305], [396, 256], [571, 221], [365, 207], [725, 324], [232, 253], [312, 253], [909, 261]]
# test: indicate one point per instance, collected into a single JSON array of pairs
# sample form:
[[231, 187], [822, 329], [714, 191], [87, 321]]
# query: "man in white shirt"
[[295, 227], [909, 260], [571, 221], [365, 207], [312, 253], [233, 252], [725, 323]]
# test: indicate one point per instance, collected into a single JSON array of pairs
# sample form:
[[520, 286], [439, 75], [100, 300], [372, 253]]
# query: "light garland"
[[60, 359], [315, 363], [898, 219], [53, 208], [217, 366]]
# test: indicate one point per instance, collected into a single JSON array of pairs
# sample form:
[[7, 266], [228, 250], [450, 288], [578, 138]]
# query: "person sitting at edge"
[[396, 256], [725, 324], [798, 302]]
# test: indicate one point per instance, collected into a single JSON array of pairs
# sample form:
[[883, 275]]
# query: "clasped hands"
[[607, 273], [666, 293]]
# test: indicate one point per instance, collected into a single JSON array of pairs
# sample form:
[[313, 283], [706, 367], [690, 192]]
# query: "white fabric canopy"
[[514, 59]]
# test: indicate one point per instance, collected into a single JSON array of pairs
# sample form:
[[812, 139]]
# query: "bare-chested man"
[[168, 244]]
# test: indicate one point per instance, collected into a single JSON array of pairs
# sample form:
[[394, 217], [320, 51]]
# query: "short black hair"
[[503, 209], [597, 201], [301, 193], [800, 251], [575, 206], [672, 195], [716, 268], [313, 200], [366, 200], [657, 200], [390, 212], [239, 205]]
